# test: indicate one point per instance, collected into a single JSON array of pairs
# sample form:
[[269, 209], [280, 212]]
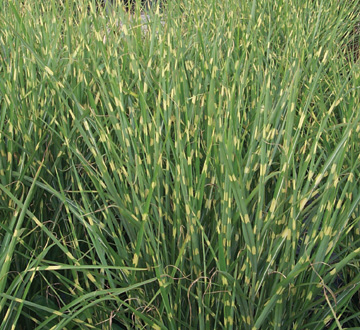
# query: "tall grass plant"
[[202, 173]]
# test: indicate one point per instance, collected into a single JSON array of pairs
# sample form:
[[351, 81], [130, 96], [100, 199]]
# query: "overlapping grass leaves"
[[200, 172]]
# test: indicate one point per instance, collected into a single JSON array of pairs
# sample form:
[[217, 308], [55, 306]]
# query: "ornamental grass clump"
[[202, 173]]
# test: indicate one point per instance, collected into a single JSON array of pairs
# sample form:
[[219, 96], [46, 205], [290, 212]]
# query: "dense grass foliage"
[[196, 171]]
